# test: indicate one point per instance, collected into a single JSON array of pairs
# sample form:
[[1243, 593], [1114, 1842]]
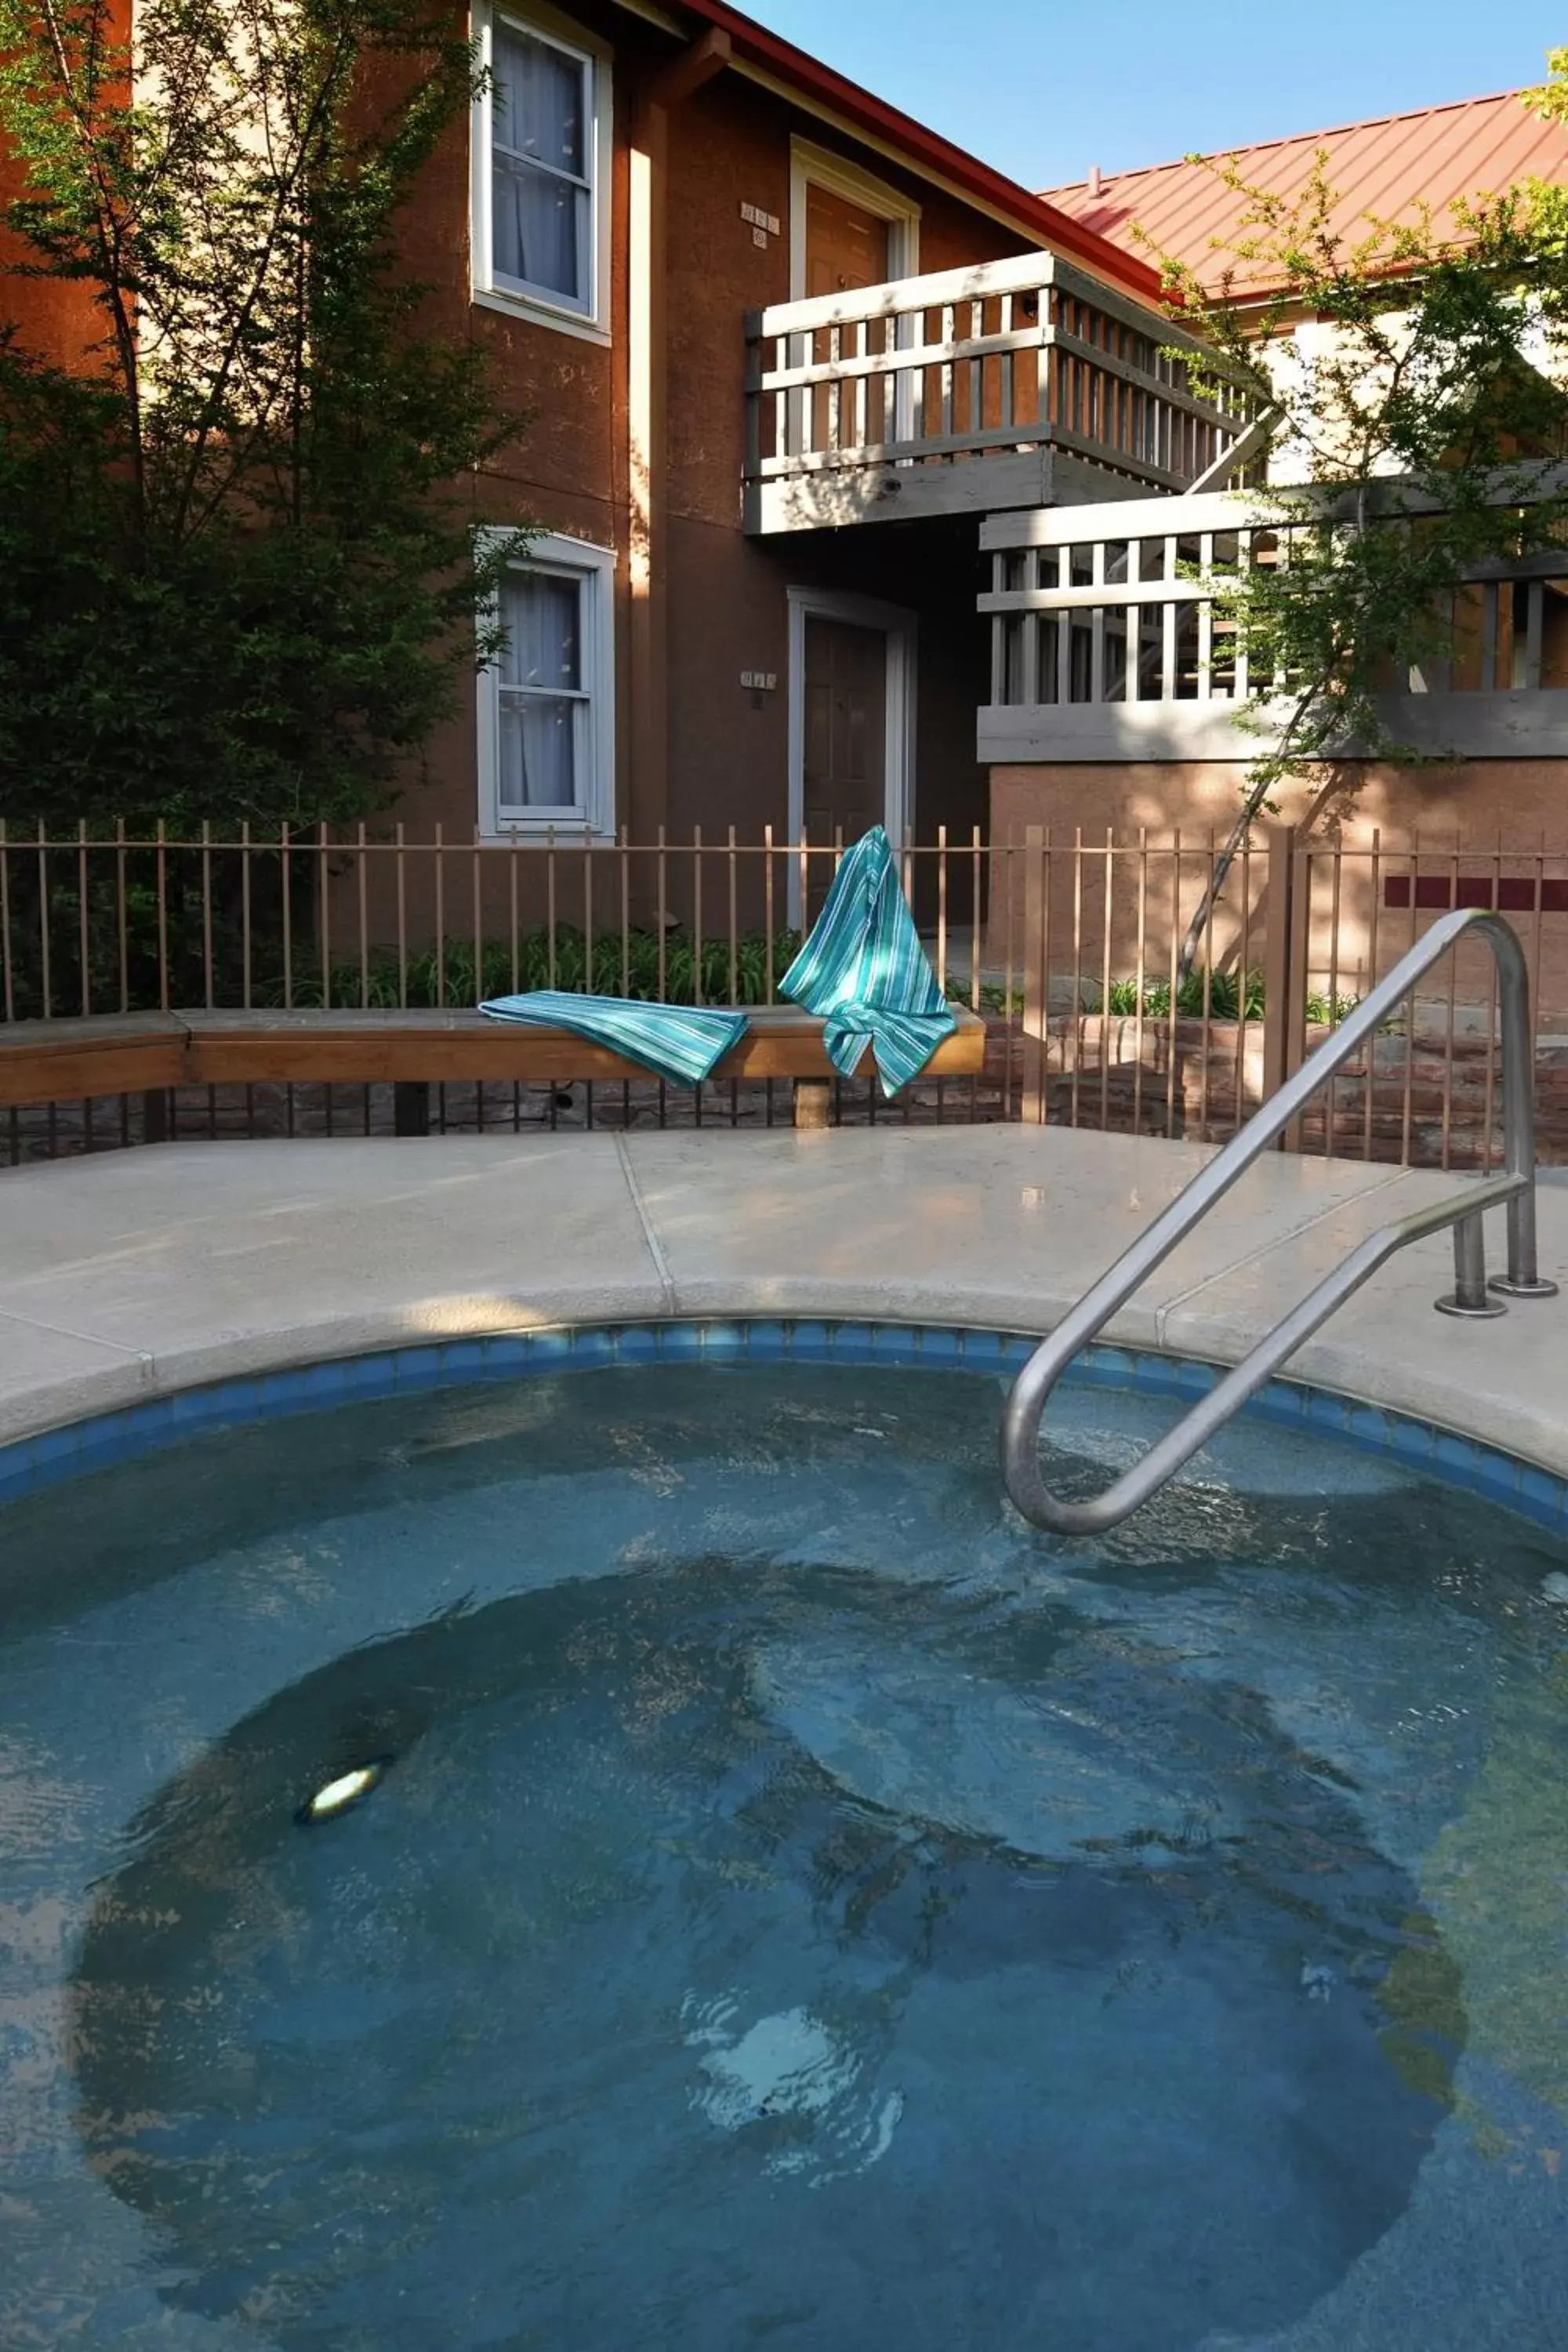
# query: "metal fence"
[[91, 926], [1115, 1035], [1069, 947]]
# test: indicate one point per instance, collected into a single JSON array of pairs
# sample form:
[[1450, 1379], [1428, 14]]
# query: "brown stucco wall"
[[1472, 797], [1482, 818], [55, 320]]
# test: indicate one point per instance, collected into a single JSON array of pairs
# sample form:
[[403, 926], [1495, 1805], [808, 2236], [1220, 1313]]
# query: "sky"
[[1043, 91]]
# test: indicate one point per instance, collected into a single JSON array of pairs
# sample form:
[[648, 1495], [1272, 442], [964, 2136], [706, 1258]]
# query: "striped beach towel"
[[682, 1041], [864, 972]]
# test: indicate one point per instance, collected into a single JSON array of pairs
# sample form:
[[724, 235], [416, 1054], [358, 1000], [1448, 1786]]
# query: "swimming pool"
[[791, 1901]]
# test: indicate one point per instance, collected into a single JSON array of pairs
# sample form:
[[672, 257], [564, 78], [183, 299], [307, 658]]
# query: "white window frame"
[[819, 167], [595, 567], [591, 321]]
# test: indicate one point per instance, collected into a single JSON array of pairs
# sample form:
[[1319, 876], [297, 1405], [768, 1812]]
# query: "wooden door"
[[846, 247], [844, 779]]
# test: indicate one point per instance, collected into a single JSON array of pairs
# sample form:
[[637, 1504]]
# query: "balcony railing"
[[1110, 639], [1022, 383]]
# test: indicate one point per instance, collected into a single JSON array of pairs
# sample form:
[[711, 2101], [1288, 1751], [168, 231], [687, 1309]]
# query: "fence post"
[[1036, 979], [1284, 1018], [410, 1108]]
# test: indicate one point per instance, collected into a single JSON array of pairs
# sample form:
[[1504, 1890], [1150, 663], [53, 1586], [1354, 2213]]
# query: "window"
[[546, 734], [540, 174]]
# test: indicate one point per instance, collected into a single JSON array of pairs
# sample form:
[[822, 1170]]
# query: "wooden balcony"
[[1110, 640], [1022, 383]]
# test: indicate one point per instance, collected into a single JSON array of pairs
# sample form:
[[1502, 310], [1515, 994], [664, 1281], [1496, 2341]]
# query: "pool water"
[[798, 1905]]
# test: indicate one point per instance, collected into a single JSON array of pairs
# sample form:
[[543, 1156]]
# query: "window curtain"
[[540, 132], [540, 682]]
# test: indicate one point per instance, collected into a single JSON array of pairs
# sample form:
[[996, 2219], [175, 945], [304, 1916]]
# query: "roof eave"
[[862, 108]]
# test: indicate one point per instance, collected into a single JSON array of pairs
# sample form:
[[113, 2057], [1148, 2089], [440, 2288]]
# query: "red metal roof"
[[1381, 169], [1056, 227]]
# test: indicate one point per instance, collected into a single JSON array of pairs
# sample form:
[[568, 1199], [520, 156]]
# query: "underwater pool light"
[[345, 1789]]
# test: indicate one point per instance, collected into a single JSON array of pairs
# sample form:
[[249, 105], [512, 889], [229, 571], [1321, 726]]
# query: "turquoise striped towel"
[[864, 970], [674, 1040]]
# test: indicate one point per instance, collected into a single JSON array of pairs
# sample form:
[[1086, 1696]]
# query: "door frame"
[[901, 630], [810, 166]]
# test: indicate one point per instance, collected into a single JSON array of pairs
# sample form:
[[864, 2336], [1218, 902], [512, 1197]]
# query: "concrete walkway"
[[146, 1271]]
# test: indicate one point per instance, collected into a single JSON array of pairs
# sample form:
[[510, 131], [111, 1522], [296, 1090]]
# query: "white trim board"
[[1526, 724], [901, 630]]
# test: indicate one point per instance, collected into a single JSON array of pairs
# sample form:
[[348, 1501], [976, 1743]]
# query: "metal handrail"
[[1470, 1296]]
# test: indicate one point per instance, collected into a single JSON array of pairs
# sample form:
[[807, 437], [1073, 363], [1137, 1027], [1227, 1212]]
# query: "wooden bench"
[[148, 1053]]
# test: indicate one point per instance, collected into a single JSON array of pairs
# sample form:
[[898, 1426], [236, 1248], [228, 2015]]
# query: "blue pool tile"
[[1330, 1411], [1368, 1424], [96, 1456], [639, 1345], [1167, 1376], [196, 1408], [51, 1471], [1274, 1410], [282, 1392], [721, 1340], [1469, 1464], [1454, 1455], [17, 1467], [853, 1343], [1413, 1442], [138, 1429], [551, 1350], [592, 1349], [1541, 1494], [112, 1431], [1497, 1477], [53, 1444], [252, 1400]]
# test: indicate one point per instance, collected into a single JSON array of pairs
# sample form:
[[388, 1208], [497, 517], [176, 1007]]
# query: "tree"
[[1412, 421], [237, 580]]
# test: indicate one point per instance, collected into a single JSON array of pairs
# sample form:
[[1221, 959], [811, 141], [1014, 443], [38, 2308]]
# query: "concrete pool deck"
[[140, 1272]]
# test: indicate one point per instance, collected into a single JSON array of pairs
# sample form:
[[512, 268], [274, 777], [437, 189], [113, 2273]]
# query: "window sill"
[[539, 314], [530, 833]]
